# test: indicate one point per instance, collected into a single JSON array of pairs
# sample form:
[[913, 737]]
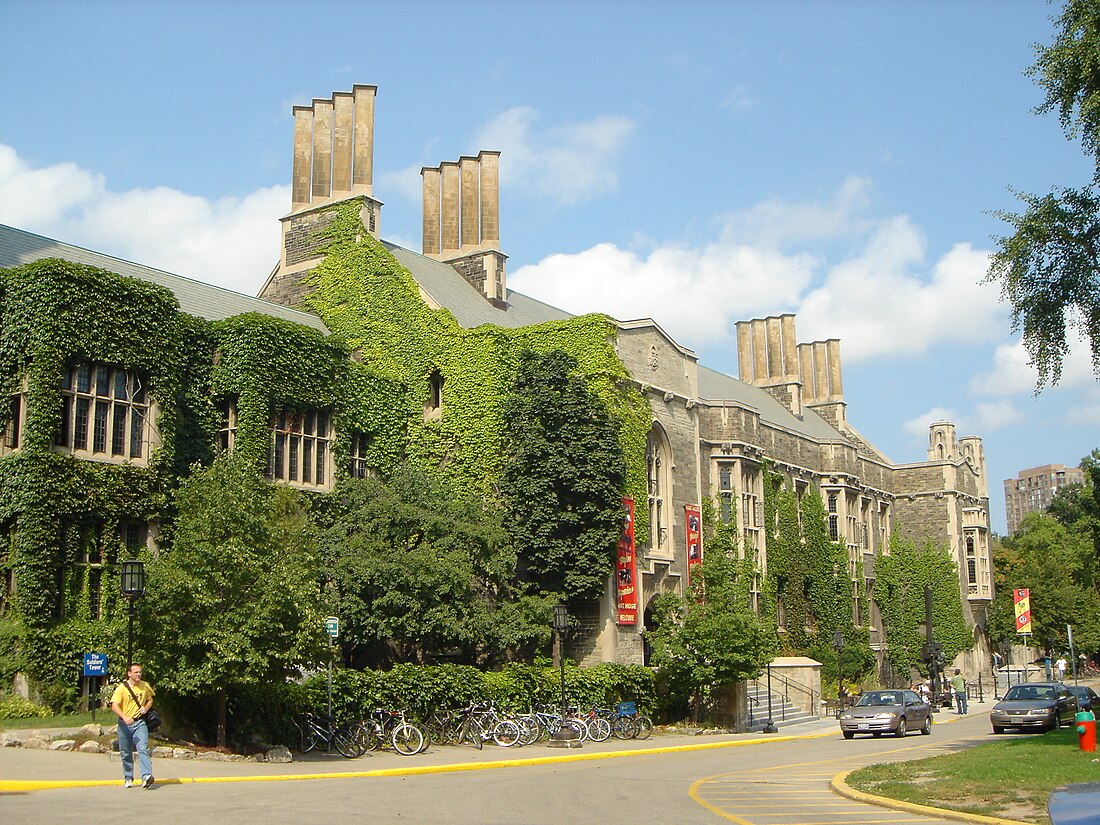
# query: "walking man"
[[958, 684], [130, 701]]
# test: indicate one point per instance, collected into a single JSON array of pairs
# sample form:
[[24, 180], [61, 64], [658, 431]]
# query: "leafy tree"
[[711, 636], [563, 478], [1049, 268], [1048, 559], [235, 598], [1077, 507], [415, 576]]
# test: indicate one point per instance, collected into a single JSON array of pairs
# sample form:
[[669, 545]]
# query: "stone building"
[[711, 434]]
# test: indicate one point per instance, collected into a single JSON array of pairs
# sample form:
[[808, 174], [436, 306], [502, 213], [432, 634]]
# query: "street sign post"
[[332, 628], [95, 666]]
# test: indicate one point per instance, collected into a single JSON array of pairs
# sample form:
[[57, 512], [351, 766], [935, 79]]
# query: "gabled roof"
[[213, 303], [448, 289]]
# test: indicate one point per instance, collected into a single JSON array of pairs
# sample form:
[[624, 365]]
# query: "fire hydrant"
[[1086, 730]]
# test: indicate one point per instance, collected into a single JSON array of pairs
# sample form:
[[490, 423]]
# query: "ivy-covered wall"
[[370, 301], [63, 518]]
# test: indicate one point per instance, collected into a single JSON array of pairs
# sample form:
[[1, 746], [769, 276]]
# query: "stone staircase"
[[784, 712]]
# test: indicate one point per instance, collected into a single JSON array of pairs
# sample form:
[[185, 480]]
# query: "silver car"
[[887, 711], [1042, 705]]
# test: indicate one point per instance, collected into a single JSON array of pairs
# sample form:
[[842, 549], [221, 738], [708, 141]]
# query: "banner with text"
[[1021, 600], [626, 573], [694, 520]]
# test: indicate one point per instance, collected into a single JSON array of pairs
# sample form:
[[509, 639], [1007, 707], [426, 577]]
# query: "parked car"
[[1087, 698], [887, 711], [1043, 705]]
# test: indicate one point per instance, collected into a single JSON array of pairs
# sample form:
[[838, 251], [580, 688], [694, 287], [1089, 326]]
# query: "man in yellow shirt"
[[130, 701]]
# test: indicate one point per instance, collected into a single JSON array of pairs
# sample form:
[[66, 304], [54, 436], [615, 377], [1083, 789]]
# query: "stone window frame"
[[659, 489], [14, 421], [358, 447], [101, 405], [300, 452]]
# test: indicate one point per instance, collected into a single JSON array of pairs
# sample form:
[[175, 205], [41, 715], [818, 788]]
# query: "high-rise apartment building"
[[1033, 490]]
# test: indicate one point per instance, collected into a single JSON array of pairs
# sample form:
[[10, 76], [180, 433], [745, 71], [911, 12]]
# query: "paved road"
[[771, 783]]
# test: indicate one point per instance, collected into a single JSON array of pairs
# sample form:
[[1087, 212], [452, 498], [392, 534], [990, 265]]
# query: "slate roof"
[[469, 307], [438, 280], [214, 303], [714, 386]]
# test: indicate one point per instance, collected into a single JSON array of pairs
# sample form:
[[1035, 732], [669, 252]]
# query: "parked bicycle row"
[[475, 724]]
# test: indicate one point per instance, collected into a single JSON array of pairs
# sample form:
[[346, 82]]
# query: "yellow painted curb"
[[839, 785], [27, 785]]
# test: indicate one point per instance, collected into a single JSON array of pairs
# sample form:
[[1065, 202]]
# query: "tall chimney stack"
[[461, 224]]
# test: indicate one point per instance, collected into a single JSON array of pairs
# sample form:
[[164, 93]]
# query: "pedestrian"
[[130, 702], [958, 683], [1061, 666]]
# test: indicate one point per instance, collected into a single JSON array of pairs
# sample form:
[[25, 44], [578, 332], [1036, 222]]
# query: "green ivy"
[[900, 581], [370, 301], [805, 565]]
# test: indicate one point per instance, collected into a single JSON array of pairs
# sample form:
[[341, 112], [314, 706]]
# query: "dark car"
[[1043, 705], [887, 711], [1087, 698]]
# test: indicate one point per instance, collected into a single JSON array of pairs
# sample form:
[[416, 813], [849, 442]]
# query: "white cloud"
[[406, 183], [739, 99], [880, 303], [36, 199], [1011, 373], [694, 294], [232, 242], [568, 164], [1088, 411], [984, 418], [919, 426], [992, 416], [882, 300]]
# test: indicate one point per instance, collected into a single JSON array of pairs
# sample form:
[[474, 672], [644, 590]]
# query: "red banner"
[[694, 520], [626, 573], [1021, 602]]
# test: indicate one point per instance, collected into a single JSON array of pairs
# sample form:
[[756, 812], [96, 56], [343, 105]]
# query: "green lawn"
[[103, 716], [1011, 778]]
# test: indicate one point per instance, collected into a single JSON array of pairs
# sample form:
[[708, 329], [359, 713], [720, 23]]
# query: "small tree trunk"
[[220, 735]]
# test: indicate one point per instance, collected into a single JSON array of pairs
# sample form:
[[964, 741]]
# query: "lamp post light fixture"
[[133, 588], [563, 737]]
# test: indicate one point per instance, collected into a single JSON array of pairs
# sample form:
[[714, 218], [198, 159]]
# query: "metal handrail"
[[786, 686]]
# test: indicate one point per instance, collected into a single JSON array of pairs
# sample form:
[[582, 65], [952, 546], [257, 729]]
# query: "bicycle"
[[314, 731], [642, 724], [481, 722], [391, 726]]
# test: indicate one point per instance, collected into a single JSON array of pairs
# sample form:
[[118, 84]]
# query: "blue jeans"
[[960, 699], [130, 738]]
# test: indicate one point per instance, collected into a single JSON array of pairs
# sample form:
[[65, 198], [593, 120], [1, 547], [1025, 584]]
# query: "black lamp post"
[[561, 624], [564, 736], [133, 588], [838, 645], [770, 727]]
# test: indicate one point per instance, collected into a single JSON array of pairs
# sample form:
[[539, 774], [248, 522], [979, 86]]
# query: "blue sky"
[[697, 163]]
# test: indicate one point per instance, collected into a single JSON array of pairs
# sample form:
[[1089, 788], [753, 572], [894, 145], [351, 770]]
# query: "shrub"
[[16, 707]]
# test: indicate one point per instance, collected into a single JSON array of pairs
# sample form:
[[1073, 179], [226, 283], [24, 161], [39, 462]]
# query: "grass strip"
[[71, 720], [1012, 778]]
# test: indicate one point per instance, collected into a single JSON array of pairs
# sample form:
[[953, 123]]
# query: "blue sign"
[[332, 626], [95, 664]]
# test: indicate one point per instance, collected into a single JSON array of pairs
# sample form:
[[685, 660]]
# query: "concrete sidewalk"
[[23, 769]]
